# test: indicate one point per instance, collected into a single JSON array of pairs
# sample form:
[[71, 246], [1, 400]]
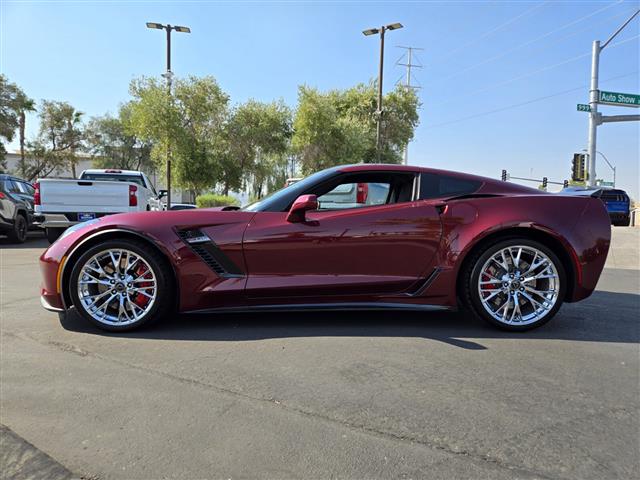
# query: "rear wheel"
[[516, 284], [121, 285], [19, 232], [53, 234]]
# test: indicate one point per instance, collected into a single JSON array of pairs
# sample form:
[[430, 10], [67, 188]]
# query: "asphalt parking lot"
[[324, 395]]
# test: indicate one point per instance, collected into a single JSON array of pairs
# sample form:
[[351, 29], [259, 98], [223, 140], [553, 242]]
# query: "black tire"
[[470, 278], [625, 222], [53, 234], [19, 232], [163, 303]]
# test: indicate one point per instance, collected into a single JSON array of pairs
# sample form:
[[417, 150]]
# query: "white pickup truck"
[[60, 203]]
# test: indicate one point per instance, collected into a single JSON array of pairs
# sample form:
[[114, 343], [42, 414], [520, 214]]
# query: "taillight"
[[133, 198], [2, 196], [362, 193], [36, 194]]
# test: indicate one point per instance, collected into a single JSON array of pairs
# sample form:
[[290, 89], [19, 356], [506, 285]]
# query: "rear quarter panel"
[[579, 225]]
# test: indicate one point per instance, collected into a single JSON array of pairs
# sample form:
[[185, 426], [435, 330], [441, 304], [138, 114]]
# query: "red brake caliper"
[[140, 299]]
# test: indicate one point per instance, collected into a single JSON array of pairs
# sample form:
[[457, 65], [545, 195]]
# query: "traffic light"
[[565, 184], [577, 167], [504, 175], [545, 180]]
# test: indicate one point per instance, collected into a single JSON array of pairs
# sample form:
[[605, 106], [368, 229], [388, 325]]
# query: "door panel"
[[370, 250]]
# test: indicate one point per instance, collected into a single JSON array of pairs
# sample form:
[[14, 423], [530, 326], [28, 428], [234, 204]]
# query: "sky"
[[500, 79]]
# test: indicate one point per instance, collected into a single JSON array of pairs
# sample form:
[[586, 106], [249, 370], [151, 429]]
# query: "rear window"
[[435, 186], [109, 177], [614, 196]]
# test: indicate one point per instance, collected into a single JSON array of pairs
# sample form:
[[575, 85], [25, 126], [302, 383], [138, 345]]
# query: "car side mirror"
[[300, 207], [162, 193]]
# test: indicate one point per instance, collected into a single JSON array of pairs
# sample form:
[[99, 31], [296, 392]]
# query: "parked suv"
[[16, 207]]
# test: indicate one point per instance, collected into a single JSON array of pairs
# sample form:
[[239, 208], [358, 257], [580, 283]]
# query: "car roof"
[[4, 176], [390, 167]]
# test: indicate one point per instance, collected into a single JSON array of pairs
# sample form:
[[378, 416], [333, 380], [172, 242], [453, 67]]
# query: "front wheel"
[[121, 285], [516, 284]]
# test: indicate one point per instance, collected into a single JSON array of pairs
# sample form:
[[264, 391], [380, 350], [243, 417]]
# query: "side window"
[[435, 186], [11, 186], [26, 188], [354, 195]]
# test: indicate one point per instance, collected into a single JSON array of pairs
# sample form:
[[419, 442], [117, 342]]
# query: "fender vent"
[[210, 253]]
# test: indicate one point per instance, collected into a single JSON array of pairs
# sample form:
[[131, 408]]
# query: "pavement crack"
[[66, 347], [357, 427]]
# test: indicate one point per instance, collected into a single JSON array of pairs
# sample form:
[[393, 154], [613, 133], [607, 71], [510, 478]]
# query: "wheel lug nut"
[[112, 282], [113, 291]]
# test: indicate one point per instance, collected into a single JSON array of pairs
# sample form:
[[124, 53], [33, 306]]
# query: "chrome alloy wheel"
[[518, 285], [117, 287]]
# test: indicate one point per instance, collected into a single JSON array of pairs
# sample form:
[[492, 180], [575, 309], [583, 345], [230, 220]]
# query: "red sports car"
[[350, 237]]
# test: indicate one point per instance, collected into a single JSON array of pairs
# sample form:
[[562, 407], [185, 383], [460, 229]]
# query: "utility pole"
[[407, 83], [596, 118], [381, 31], [168, 75]]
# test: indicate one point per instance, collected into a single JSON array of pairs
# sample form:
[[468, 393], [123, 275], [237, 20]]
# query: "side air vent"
[[210, 253]]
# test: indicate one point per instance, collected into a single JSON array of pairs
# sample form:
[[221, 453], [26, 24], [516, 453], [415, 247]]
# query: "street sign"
[[602, 183], [616, 98], [583, 107]]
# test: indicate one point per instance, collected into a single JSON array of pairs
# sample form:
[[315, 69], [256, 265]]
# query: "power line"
[[496, 29], [527, 102], [529, 74], [507, 52]]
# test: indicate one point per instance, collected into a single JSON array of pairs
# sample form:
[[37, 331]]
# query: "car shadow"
[[604, 317]]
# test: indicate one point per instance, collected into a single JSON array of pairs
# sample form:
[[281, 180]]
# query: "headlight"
[[77, 226]]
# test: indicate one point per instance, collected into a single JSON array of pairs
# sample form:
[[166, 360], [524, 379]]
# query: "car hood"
[[170, 219]]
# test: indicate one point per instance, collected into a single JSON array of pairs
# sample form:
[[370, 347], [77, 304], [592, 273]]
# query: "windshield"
[[280, 200], [106, 177]]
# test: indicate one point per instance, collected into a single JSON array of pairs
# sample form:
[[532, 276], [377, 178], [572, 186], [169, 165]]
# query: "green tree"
[[339, 126], [14, 104], [190, 122], [114, 144], [59, 140], [258, 137]]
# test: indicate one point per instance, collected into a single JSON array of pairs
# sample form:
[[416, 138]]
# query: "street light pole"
[[381, 31], [168, 75], [612, 167], [379, 112]]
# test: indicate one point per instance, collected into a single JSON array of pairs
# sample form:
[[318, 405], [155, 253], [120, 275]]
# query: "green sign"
[[584, 108], [602, 183], [616, 98]]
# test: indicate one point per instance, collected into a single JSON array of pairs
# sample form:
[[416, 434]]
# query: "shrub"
[[212, 200]]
